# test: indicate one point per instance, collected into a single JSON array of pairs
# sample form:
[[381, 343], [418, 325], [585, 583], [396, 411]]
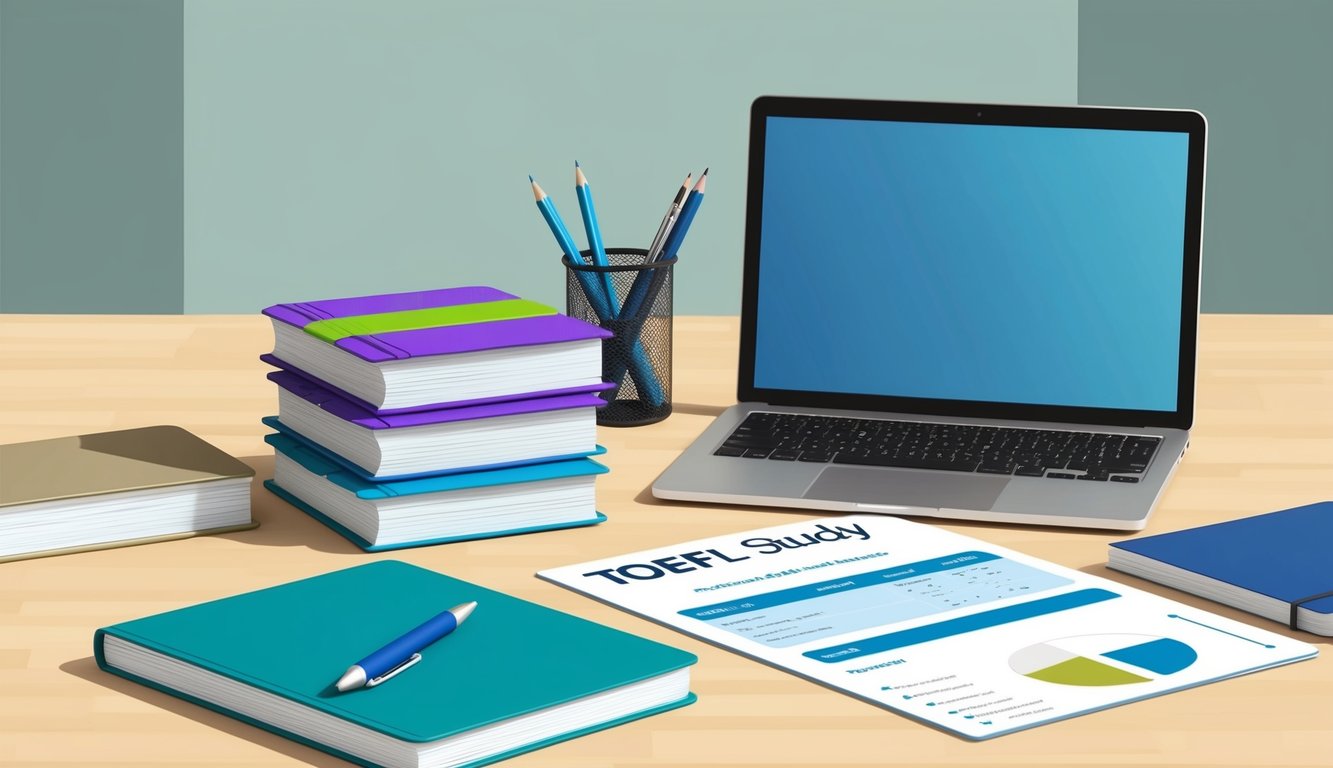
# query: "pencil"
[[639, 288], [668, 219], [687, 212], [590, 288], [584, 194]]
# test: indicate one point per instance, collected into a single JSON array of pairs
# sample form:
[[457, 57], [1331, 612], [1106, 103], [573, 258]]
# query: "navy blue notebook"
[[1276, 565]]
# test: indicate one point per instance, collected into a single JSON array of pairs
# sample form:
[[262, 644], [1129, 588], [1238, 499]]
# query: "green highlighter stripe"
[[434, 317]]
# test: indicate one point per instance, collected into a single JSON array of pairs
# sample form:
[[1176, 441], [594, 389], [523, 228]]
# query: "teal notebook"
[[341, 499], [515, 677]]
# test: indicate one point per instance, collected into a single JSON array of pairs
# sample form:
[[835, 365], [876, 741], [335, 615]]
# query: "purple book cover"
[[448, 340], [303, 313], [347, 410], [277, 362], [453, 339]]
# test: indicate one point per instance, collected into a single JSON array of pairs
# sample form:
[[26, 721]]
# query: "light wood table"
[[1263, 441]]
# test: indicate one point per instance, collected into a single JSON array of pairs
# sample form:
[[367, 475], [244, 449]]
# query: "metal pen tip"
[[461, 612], [353, 678]]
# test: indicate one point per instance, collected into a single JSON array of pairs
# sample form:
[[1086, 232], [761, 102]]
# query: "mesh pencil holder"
[[633, 300]]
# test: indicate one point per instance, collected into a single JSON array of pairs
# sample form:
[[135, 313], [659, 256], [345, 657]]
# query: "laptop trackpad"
[[908, 488]]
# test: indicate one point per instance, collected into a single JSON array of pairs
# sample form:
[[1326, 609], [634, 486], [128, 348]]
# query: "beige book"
[[114, 489]]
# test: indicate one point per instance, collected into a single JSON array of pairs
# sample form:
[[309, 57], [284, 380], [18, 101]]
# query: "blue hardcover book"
[[437, 509], [516, 676], [1274, 565]]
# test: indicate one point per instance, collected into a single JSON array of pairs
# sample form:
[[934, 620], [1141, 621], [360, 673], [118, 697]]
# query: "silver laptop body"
[[910, 265]]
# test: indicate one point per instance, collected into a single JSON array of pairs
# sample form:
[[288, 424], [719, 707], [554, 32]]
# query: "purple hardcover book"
[[302, 313], [445, 340], [348, 410], [279, 363], [498, 334]]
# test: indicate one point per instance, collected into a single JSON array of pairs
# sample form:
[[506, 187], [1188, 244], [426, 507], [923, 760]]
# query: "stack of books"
[[420, 418]]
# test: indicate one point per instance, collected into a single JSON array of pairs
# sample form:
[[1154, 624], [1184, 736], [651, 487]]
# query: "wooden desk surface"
[[1263, 441]]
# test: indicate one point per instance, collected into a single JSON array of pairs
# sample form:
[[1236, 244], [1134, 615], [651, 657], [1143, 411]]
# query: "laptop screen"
[[1020, 264]]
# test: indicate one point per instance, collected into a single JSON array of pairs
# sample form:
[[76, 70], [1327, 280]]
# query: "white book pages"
[[375, 747], [1218, 591], [445, 514], [443, 378], [123, 516], [439, 447]]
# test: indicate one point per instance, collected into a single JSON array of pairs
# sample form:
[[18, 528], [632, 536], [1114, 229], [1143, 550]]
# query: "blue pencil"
[[584, 193], [669, 219], [562, 236], [687, 211], [642, 294], [640, 367], [638, 291]]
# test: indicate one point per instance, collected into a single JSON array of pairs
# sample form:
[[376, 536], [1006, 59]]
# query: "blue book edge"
[[1167, 548], [334, 473], [286, 496], [274, 424], [100, 657]]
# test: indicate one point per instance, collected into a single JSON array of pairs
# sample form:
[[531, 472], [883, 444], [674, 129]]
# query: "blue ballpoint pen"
[[403, 652], [590, 226]]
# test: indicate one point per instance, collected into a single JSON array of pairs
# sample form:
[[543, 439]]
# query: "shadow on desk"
[[86, 669], [646, 497], [696, 409], [281, 524]]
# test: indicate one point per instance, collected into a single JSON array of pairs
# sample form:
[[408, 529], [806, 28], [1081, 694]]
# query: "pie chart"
[[1099, 660]]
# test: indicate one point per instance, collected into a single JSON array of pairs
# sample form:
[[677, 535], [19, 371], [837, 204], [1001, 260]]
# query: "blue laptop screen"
[[1005, 264]]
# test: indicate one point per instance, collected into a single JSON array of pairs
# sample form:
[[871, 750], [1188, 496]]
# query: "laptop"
[[962, 311]]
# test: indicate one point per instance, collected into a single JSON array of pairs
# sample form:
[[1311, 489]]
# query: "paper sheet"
[[967, 636]]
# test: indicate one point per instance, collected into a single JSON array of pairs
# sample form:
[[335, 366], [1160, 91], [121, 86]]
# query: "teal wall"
[[337, 147], [1261, 72], [221, 155], [91, 156]]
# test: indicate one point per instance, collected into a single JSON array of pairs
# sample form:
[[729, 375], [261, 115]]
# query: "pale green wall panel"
[[91, 153], [1260, 71], [336, 147]]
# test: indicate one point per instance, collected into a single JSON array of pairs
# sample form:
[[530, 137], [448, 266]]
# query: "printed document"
[[967, 636]]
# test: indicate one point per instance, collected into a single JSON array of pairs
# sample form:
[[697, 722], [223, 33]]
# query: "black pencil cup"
[[631, 299]]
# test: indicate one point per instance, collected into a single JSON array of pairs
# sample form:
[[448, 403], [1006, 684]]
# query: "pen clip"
[[374, 681]]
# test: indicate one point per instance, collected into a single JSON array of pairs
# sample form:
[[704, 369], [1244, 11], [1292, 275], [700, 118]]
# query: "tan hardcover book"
[[114, 489]]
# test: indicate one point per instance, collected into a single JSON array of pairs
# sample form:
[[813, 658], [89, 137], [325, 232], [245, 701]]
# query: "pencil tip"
[[576, 163], [534, 181], [705, 173]]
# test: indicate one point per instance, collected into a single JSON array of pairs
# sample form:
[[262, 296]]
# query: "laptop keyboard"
[[1058, 454]]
